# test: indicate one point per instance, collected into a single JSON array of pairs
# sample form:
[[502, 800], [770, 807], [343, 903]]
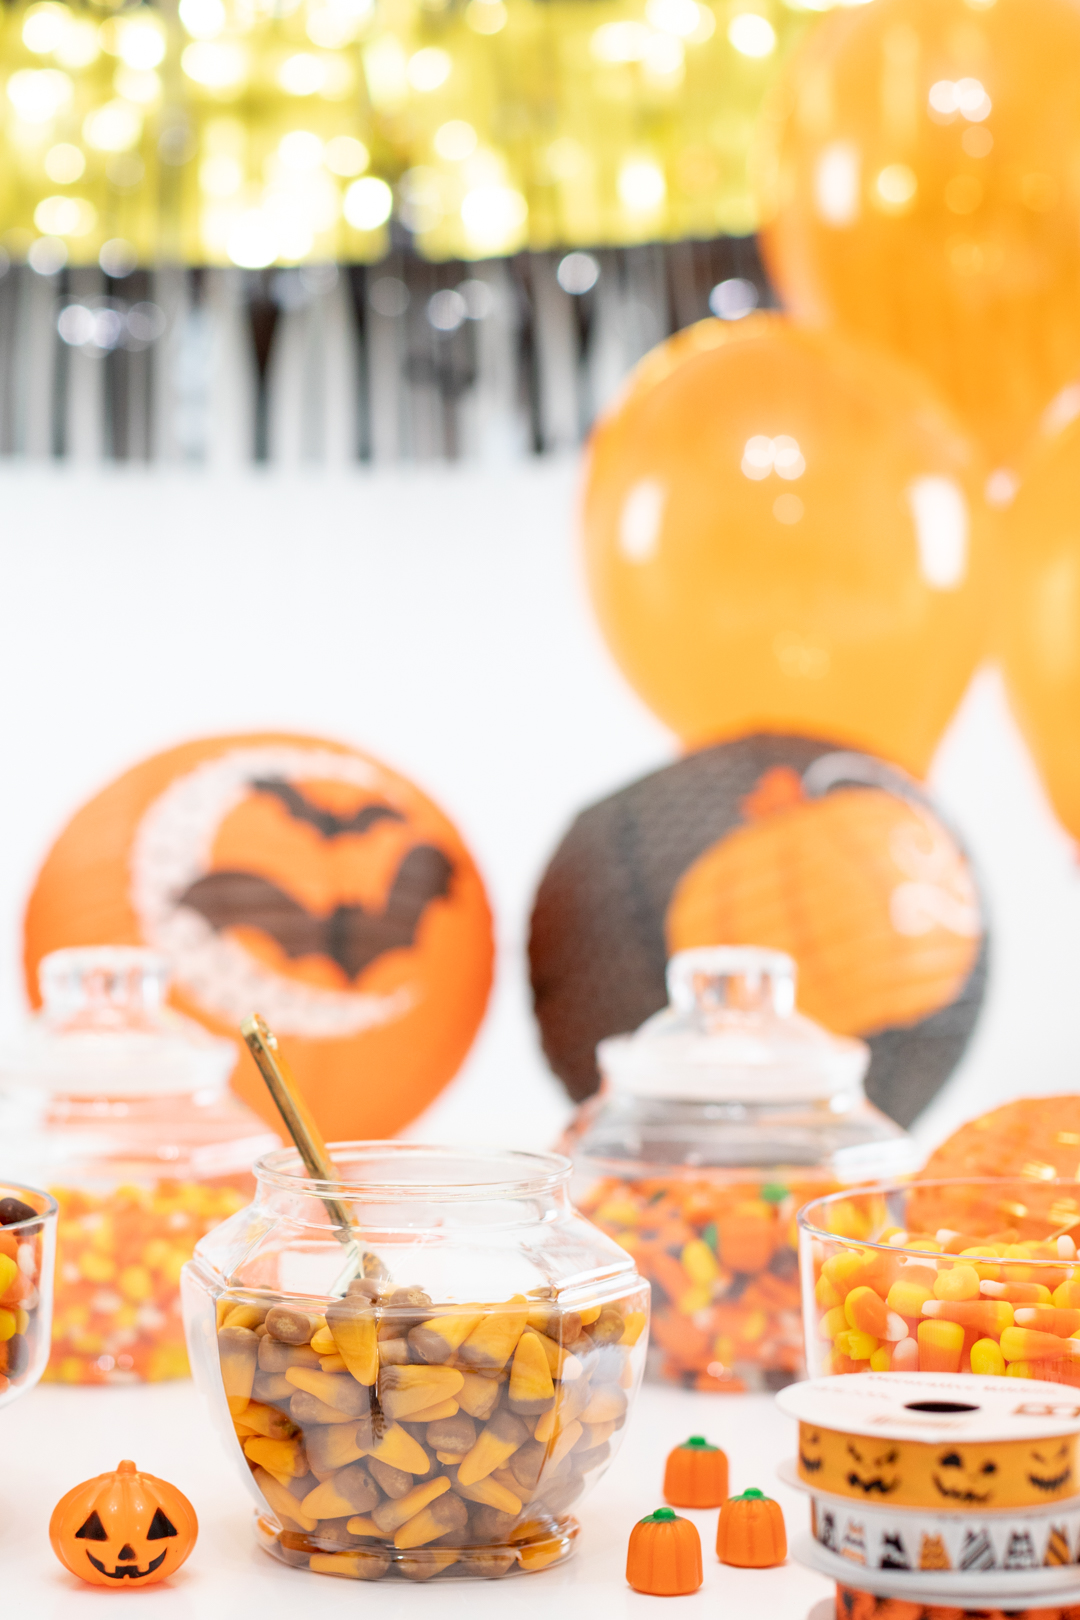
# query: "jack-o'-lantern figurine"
[[832, 857], [125, 1529], [300, 879]]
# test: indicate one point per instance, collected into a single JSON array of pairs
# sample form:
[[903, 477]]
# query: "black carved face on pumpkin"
[[126, 1565], [123, 1529]]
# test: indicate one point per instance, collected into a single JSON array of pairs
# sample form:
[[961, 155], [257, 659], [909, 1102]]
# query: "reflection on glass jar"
[[433, 1400], [716, 1121], [121, 1109]]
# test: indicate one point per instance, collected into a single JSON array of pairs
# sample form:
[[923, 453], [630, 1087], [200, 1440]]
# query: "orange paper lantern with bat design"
[[300, 879]]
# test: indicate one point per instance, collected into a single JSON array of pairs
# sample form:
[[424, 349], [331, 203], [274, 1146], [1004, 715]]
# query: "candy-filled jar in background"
[[27, 1247], [431, 1400], [716, 1120], [121, 1109]]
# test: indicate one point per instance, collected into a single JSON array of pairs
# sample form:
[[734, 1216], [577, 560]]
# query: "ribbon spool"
[[940, 1490]]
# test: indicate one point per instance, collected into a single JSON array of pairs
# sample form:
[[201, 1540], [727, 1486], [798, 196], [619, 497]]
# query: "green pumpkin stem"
[[751, 1496], [661, 1516], [697, 1442]]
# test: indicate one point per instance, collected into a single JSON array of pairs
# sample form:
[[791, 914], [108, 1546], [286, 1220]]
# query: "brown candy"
[[485, 1565], [363, 1288], [394, 1352], [351, 1490], [608, 1328], [305, 1408], [490, 1524], [394, 1482], [276, 1357], [526, 1463], [289, 1326], [442, 1520], [457, 1434], [359, 1564]]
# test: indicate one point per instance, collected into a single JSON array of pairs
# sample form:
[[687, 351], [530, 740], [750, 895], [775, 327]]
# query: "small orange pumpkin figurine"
[[696, 1475], [751, 1532], [123, 1529], [664, 1556]]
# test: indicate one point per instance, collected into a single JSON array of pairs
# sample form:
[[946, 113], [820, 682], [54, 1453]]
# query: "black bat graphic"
[[326, 822], [350, 936]]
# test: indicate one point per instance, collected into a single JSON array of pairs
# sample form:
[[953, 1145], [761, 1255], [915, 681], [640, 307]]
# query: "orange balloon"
[[783, 532], [920, 186], [1039, 608], [300, 879]]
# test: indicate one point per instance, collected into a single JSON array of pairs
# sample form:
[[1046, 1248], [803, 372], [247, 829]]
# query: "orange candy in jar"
[[716, 1121], [944, 1276], [117, 1283], [121, 1109]]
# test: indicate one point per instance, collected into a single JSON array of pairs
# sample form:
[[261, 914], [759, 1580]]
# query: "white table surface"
[[55, 1437]]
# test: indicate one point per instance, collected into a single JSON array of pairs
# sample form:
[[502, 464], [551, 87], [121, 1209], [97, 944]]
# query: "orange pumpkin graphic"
[[834, 857], [298, 878], [866, 890]]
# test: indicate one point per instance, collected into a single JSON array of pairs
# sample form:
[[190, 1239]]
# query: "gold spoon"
[[262, 1043]]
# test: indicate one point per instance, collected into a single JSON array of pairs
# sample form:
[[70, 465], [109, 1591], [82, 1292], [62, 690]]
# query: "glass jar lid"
[[731, 1034], [105, 1031]]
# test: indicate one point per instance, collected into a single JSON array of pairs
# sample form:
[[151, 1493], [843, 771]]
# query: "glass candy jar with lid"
[[715, 1122], [121, 1108], [428, 1399]]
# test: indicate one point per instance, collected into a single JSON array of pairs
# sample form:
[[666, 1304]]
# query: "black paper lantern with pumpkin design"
[[835, 857]]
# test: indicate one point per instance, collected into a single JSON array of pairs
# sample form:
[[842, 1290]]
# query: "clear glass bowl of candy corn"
[[979, 1276], [27, 1258], [421, 1367]]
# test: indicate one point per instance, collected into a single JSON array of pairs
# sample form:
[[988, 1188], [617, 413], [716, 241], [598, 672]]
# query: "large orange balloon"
[[300, 879], [1039, 608], [920, 186], [785, 533]]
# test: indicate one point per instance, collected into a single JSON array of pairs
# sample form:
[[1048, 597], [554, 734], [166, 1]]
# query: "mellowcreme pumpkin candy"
[[664, 1555]]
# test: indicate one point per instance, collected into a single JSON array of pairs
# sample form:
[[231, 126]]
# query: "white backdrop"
[[437, 618]]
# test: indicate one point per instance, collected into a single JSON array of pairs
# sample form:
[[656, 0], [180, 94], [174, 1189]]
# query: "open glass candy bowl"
[[944, 1276], [27, 1256], [433, 1400]]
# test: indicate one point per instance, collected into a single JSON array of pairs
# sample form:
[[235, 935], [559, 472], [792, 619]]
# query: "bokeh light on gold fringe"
[[236, 131]]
